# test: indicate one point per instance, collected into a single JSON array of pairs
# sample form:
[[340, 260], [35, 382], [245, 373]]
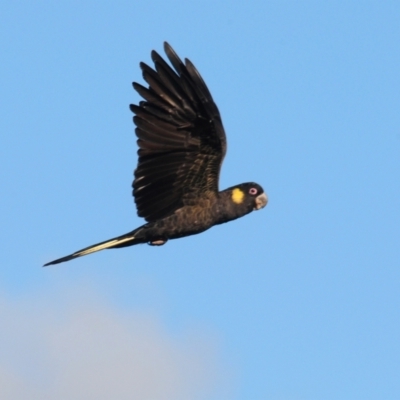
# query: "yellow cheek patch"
[[237, 196]]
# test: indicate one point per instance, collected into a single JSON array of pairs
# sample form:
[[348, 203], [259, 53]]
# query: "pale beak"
[[261, 201]]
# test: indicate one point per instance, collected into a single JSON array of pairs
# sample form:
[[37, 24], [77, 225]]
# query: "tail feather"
[[128, 239]]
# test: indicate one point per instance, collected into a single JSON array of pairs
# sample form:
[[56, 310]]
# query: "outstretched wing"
[[181, 139]]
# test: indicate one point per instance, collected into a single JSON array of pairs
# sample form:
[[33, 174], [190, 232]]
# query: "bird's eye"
[[253, 191]]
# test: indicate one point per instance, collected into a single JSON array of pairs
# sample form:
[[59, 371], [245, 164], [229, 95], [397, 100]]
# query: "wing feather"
[[180, 135]]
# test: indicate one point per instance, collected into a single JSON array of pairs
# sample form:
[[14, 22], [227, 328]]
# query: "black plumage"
[[182, 144]]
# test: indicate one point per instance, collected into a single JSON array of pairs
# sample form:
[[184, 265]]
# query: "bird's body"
[[182, 144]]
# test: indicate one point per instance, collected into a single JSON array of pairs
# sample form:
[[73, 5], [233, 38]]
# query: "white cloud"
[[87, 349]]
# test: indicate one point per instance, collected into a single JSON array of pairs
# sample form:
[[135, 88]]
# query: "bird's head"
[[242, 199], [249, 195]]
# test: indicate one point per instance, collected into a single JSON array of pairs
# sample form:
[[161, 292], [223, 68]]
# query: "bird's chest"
[[189, 220], [195, 217]]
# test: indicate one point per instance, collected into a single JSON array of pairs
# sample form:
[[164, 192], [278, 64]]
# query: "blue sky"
[[297, 301]]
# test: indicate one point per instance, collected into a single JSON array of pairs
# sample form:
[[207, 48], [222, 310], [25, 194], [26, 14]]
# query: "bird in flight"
[[182, 144]]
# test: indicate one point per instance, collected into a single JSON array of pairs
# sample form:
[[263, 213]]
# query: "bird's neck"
[[225, 209]]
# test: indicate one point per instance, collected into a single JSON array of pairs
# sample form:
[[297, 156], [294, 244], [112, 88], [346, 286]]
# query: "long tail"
[[128, 239]]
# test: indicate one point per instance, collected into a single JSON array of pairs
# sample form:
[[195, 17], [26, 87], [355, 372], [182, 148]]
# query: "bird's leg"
[[158, 242]]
